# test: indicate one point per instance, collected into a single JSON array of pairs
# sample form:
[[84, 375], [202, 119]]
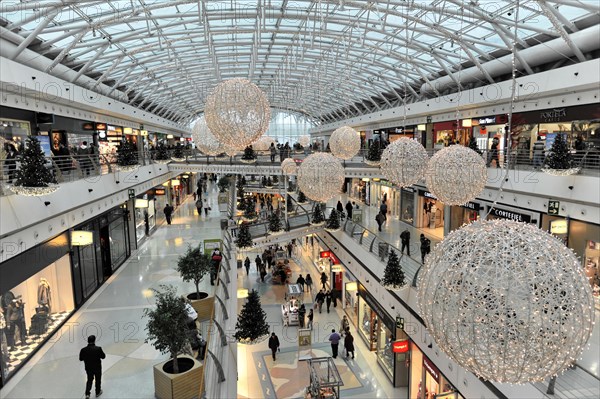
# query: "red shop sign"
[[400, 346], [325, 254]]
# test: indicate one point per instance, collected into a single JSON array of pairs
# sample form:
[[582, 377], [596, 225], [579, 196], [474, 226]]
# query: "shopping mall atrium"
[[307, 199]]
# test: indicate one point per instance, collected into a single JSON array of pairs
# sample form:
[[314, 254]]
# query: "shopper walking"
[[247, 265], [349, 208], [323, 279], [310, 317], [273, 152], [405, 239], [425, 247], [300, 281], [339, 207], [349, 343], [320, 298], [309, 282], [92, 356], [198, 204], [168, 210], [379, 220], [334, 296], [301, 315], [274, 344], [345, 325], [328, 300], [334, 338], [383, 210], [205, 205]]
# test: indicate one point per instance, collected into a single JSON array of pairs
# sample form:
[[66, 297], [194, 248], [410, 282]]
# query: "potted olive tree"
[[193, 265], [178, 377]]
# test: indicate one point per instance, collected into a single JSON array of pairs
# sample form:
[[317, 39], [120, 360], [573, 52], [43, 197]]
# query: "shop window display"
[[32, 310], [368, 325], [408, 206], [385, 352]]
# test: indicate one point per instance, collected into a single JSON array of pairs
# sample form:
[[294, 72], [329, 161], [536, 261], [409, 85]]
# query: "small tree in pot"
[[167, 323], [223, 184], [193, 266]]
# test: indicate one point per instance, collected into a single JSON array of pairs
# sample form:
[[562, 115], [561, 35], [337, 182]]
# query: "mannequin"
[[44, 294], [16, 318]]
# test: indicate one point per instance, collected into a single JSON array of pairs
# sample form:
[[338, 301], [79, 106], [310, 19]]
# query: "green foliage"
[[223, 184], [289, 203], [178, 152], [302, 198], [263, 181], [269, 182], [298, 147], [559, 156], [193, 265], [244, 239], [375, 151], [275, 179], [274, 223], [127, 154], [393, 276], [250, 209], [162, 154], [167, 323], [33, 171], [473, 145], [249, 154], [318, 216], [333, 223], [252, 320]]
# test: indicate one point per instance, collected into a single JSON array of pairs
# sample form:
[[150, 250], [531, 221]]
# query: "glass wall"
[[32, 310], [286, 127]]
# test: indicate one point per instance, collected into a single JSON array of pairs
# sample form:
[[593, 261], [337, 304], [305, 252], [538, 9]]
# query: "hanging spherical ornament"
[[231, 152], [304, 140], [288, 166], [204, 139], [320, 176], [456, 175], [403, 162], [237, 112], [507, 301], [344, 142], [263, 143]]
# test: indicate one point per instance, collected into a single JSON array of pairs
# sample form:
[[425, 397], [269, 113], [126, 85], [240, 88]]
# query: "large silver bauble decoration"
[[263, 143], [304, 140], [289, 167], [204, 139], [237, 112], [231, 152], [507, 301], [320, 176], [344, 142], [404, 162], [456, 175]]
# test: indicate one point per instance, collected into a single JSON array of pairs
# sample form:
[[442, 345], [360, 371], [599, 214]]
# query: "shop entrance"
[[431, 214], [105, 252]]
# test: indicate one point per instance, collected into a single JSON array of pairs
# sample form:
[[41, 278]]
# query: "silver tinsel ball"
[[507, 301], [456, 175], [344, 142], [320, 176], [204, 139], [263, 143], [288, 166], [304, 140], [404, 162], [237, 112]]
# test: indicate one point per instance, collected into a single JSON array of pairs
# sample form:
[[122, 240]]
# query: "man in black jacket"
[[274, 344], [91, 356]]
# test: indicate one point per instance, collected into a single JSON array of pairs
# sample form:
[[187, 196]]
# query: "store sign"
[[88, 126], [431, 369], [400, 346], [553, 207], [408, 189], [101, 126], [324, 254], [490, 120], [553, 115], [559, 227], [474, 206], [159, 191], [336, 269], [427, 194], [503, 214]]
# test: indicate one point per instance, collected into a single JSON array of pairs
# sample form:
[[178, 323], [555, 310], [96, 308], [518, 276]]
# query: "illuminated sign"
[[559, 227], [431, 369], [400, 346]]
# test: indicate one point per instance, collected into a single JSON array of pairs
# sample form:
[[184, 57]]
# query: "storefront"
[[358, 189], [430, 215], [109, 138], [464, 214], [384, 191], [15, 125], [145, 215], [379, 331], [351, 300], [426, 380], [583, 239], [407, 204], [447, 133], [36, 289]]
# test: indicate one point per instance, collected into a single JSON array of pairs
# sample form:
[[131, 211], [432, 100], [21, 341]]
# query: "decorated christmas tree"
[[269, 182], [250, 210], [263, 181], [289, 204], [317, 217], [244, 239], [223, 184], [178, 153], [249, 155], [559, 156], [33, 171], [162, 154], [302, 198], [473, 145], [374, 154], [333, 223], [275, 179], [393, 276], [274, 223], [252, 323], [127, 154]]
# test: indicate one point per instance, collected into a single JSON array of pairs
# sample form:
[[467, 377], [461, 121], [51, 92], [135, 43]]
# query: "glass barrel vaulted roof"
[[328, 60]]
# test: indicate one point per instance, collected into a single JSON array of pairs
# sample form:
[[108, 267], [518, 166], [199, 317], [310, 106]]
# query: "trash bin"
[[223, 224], [383, 250], [239, 263]]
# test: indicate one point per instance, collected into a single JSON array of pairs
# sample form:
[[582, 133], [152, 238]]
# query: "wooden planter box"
[[204, 307], [184, 385]]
